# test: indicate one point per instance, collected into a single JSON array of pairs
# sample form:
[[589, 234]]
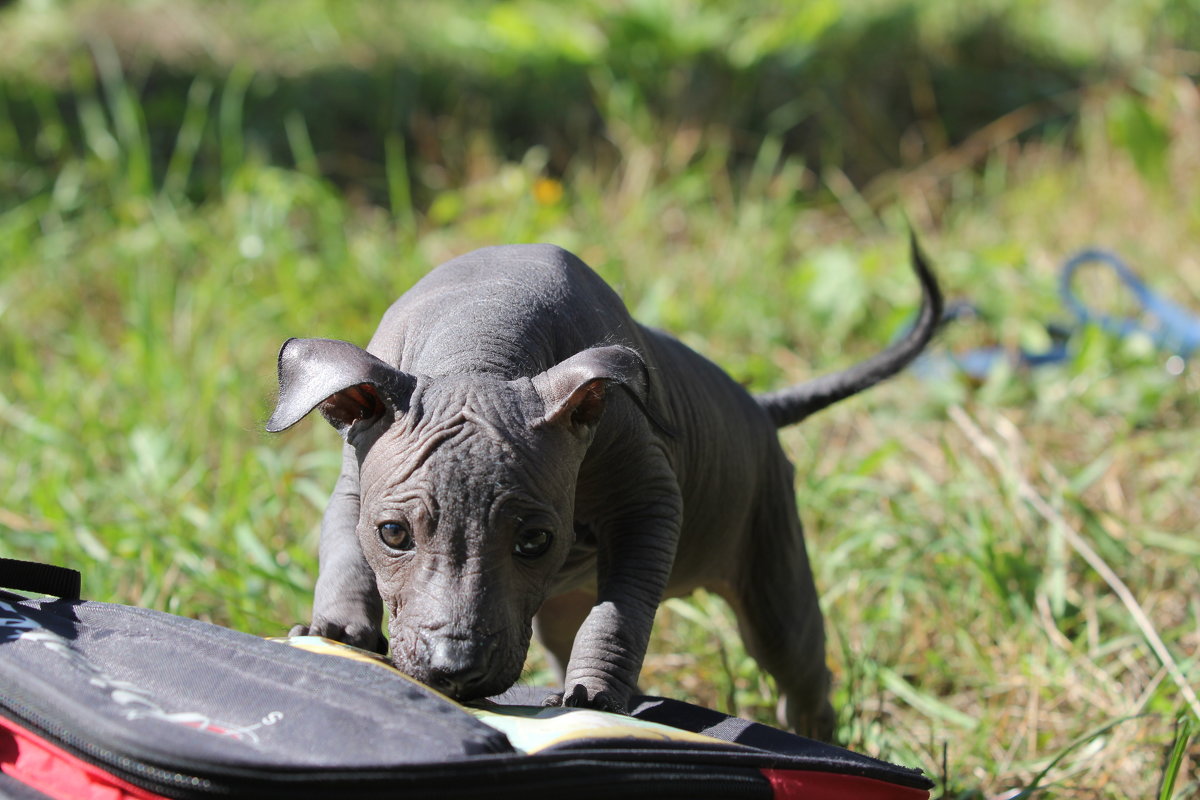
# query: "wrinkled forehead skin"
[[470, 445]]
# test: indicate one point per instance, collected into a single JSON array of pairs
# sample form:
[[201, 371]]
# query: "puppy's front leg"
[[636, 550], [346, 605]]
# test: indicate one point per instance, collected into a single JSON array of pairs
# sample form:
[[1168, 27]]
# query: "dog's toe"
[[602, 700]]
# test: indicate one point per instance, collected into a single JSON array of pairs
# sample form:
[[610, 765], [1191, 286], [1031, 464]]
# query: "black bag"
[[109, 701]]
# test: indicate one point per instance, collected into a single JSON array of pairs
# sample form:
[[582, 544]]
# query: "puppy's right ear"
[[350, 385]]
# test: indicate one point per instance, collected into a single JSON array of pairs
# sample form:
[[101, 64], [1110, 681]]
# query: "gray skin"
[[520, 454]]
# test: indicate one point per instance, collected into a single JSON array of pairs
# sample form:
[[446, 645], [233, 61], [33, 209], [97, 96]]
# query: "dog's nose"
[[455, 665]]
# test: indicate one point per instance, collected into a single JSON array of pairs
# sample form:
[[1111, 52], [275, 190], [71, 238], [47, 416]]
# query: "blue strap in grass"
[[978, 363], [31, 576], [1170, 326]]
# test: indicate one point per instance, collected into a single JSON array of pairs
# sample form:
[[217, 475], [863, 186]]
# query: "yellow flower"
[[547, 191]]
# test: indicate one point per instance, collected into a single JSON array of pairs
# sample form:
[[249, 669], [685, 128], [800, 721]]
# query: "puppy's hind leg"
[[779, 613]]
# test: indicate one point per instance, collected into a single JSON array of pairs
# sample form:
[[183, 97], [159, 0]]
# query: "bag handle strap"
[[32, 576]]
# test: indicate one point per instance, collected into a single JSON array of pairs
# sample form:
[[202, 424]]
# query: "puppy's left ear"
[[574, 392]]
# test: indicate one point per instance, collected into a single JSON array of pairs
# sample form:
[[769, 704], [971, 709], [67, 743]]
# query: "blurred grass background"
[[184, 185]]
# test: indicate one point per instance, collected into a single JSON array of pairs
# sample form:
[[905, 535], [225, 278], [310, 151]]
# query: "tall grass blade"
[[1185, 726], [301, 143], [128, 122], [1036, 784], [399, 190], [230, 122], [187, 143], [924, 702], [93, 122]]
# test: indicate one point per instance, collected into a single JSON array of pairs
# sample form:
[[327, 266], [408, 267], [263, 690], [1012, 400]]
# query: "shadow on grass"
[[867, 97]]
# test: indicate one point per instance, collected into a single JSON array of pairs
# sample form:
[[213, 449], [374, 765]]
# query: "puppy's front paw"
[[364, 637], [579, 696]]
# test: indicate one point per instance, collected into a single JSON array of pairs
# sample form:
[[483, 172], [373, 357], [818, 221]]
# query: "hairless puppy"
[[520, 453]]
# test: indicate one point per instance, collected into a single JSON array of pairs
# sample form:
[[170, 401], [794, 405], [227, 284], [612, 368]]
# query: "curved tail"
[[789, 406]]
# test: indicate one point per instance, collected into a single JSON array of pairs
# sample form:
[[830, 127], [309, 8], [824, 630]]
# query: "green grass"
[[154, 260]]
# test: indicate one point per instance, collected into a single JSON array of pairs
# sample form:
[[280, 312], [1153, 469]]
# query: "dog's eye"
[[532, 542], [396, 536]]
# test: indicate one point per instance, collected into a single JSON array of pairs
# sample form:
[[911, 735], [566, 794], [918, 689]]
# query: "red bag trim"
[[49, 769], [795, 784], [53, 771]]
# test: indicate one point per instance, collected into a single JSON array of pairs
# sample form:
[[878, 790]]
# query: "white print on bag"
[[137, 703]]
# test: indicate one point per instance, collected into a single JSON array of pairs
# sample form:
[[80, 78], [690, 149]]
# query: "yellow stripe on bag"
[[328, 647], [529, 729]]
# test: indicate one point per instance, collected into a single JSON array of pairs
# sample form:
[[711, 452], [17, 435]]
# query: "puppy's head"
[[467, 489]]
